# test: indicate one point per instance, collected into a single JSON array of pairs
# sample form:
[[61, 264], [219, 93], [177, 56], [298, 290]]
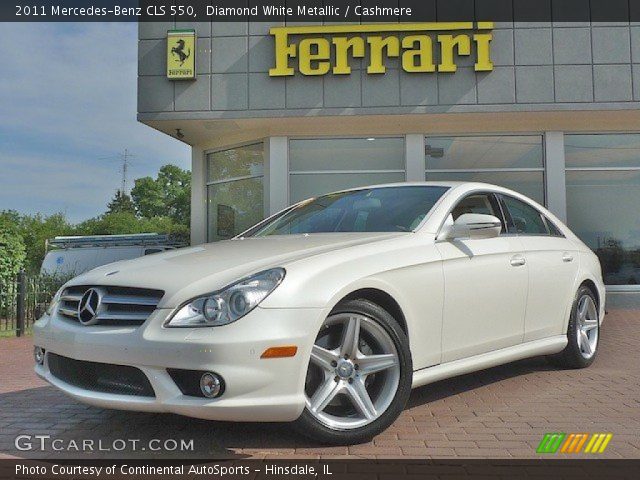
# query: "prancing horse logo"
[[179, 51], [89, 306]]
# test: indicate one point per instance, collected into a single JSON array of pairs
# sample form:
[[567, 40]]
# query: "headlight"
[[54, 302], [229, 304]]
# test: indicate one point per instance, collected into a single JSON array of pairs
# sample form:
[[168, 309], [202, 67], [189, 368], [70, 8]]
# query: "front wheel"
[[583, 333], [359, 375]]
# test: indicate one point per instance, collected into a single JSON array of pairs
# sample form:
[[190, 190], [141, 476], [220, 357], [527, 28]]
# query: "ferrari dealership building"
[[278, 113]]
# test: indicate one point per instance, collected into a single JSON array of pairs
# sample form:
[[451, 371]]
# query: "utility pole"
[[125, 166], [125, 157]]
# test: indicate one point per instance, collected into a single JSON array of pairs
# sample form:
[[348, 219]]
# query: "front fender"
[[418, 288], [419, 292]]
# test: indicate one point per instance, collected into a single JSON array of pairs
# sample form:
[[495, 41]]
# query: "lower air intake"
[[100, 377]]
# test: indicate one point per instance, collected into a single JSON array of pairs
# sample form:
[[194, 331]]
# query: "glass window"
[[527, 220], [603, 200], [515, 162], [319, 166], [312, 185], [602, 151], [245, 161], [474, 204], [553, 229], [235, 191], [397, 209], [530, 184], [603, 209], [338, 154], [484, 204], [234, 207], [473, 153]]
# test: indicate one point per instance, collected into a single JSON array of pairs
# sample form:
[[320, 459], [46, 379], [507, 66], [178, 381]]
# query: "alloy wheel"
[[353, 374], [587, 326]]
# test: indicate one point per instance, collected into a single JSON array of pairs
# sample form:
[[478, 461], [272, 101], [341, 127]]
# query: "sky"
[[67, 109]]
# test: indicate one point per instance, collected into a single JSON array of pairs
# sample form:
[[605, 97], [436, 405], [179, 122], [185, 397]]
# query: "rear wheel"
[[359, 375], [583, 333]]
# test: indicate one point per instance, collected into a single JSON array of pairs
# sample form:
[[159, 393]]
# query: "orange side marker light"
[[280, 352]]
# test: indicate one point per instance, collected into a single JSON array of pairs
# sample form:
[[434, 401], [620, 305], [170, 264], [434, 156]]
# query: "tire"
[[345, 418], [581, 352]]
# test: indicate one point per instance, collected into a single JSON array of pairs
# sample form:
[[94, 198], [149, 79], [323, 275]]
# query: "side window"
[[527, 220], [483, 203], [555, 231]]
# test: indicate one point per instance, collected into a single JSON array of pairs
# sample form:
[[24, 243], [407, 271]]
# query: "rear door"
[[485, 287], [553, 265]]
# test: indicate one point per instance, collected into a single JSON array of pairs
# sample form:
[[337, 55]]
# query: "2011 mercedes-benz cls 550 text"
[[329, 312]]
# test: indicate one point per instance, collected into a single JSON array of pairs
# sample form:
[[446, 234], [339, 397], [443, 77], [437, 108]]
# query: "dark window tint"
[[526, 219], [482, 203], [555, 231], [393, 209]]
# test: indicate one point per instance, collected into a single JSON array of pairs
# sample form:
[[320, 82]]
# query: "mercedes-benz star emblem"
[[88, 307]]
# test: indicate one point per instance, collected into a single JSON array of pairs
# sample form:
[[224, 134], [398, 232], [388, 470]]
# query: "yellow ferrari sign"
[[420, 47], [181, 54]]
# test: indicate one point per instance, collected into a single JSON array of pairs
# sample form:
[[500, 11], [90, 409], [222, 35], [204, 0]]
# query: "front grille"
[[100, 377], [118, 305]]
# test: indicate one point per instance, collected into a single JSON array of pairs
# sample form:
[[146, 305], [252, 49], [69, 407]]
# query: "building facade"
[[278, 113]]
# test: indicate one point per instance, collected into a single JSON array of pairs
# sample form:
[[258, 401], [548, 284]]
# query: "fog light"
[[38, 355], [210, 385]]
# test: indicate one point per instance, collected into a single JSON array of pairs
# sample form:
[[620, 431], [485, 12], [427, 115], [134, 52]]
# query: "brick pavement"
[[501, 412]]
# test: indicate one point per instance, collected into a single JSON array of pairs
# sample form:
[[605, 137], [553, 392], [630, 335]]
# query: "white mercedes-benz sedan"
[[329, 312]]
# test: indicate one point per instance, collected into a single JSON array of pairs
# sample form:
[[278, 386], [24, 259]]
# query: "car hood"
[[188, 272]]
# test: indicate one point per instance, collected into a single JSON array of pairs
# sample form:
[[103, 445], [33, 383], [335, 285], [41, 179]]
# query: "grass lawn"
[[12, 333]]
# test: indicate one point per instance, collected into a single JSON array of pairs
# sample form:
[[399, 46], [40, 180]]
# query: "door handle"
[[518, 261], [567, 257]]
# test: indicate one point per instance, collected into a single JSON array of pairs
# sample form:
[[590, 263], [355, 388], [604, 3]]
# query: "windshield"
[[390, 209]]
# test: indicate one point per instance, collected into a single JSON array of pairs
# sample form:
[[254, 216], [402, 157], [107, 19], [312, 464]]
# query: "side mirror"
[[475, 226]]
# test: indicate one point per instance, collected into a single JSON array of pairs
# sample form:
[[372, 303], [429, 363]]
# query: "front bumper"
[[255, 389]]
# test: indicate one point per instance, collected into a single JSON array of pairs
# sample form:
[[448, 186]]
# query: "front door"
[[486, 282]]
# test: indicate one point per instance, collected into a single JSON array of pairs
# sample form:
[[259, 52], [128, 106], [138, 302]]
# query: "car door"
[[486, 285], [553, 265]]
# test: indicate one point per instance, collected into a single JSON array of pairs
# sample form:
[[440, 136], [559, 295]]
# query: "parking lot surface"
[[501, 412]]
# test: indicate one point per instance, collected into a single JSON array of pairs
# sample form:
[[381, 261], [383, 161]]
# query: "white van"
[[71, 256]]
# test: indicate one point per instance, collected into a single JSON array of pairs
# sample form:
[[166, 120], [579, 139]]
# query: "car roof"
[[452, 184], [455, 189]]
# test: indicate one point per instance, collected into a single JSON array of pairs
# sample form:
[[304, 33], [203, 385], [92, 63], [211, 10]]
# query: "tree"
[[12, 251], [121, 223], [34, 231], [121, 203], [168, 195], [160, 205], [117, 223]]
